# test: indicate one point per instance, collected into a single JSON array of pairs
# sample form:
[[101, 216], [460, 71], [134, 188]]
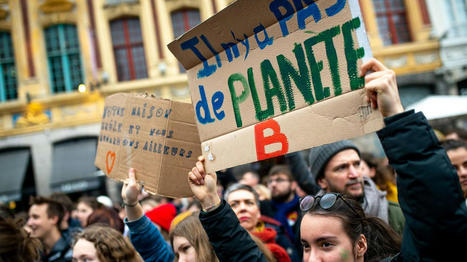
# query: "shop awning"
[[13, 165], [436, 107], [73, 166]]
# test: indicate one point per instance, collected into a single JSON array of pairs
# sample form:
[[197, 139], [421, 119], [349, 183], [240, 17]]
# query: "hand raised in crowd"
[[381, 88], [131, 189], [130, 192], [204, 185]]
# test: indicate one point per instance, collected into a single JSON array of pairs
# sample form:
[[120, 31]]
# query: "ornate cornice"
[[3, 13], [54, 6]]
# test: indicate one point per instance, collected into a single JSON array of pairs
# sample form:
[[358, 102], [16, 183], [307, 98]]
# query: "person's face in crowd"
[[324, 239], [249, 179], [244, 205], [458, 159], [280, 186], [343, 175], [148, 207], [452, 135], [83, 213], [367, 170], [84, 251], [39, 222], [184, 251]]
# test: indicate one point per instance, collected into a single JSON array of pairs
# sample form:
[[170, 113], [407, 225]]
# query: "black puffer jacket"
[[230, 241], [429, 191]]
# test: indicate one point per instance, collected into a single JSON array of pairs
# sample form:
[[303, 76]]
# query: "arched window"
[[8, 85], [392, 21], [182, 21], [64, 58], [128, 48]]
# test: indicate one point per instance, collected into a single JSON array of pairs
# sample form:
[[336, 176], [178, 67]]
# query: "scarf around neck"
[[374, 200]]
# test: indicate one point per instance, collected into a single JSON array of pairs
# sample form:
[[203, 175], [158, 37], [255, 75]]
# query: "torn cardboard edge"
[[223, 30], [354, 118]]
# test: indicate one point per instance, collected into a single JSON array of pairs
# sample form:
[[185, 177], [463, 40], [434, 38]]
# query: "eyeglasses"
[[325, 201], [278, 180]]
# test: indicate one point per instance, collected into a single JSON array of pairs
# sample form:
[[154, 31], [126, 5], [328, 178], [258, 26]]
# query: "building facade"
[[59, 59], [400, 36], [450, 27]]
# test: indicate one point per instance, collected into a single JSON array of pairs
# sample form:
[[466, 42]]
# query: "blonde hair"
[[187, 225], [263, 192], [109, 243]]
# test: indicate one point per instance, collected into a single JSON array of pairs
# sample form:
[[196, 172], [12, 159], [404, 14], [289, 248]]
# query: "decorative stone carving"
[[34, 115], [396, 62], [3, 10], [426, 58], [54, 6]]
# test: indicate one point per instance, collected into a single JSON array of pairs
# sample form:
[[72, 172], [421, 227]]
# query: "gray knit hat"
[[320, 156]]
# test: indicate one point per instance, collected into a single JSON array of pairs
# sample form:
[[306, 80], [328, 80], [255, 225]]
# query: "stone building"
[[58, 60]]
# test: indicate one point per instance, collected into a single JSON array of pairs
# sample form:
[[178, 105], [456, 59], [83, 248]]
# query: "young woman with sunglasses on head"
[[335, 228], [430, 195]]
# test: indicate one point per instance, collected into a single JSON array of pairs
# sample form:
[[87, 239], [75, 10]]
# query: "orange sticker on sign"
[[109, 161]]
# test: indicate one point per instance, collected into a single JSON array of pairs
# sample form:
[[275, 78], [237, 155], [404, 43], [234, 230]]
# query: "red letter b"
[[276, 137]]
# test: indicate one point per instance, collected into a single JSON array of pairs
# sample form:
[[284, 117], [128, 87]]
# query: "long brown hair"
[[106, 216], [190, 228], [15, 243], [263, 248], [110, 244]]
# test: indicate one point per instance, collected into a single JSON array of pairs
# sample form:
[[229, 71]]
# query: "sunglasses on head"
[[325, 201]]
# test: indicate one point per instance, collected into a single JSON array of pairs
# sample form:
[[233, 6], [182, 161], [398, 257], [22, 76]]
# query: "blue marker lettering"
[[275, 6], [336, 8], [267, 40]]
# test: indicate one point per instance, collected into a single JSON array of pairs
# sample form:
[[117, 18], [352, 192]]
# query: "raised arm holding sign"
[[437, 215]]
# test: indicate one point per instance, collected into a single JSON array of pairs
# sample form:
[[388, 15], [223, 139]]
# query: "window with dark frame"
[[182, 21], [128, 48], [8, 81], [391, 16], [64, 58]]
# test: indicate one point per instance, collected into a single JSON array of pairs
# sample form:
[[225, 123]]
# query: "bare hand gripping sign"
[[157, 137], [269, 77]]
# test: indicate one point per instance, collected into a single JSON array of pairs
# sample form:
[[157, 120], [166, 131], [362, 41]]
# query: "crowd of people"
[[340, 204]]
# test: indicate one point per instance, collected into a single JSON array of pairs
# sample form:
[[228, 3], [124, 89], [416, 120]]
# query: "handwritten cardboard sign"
[[269, 77], [157, 137]]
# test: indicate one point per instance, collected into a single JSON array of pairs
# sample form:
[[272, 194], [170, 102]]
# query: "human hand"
[[204, 185], [381, 88], [131, 189]]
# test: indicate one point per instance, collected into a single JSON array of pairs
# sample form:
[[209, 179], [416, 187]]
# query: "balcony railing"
[[409, 58]]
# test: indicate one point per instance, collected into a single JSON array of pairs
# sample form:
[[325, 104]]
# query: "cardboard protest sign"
[[269, 77], [157, 137]]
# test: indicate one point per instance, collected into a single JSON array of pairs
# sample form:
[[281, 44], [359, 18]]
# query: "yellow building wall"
[[75, 108], [420, 55]]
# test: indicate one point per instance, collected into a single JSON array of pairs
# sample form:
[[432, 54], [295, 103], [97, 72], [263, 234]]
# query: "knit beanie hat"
[[320, 156], [162, 215]]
